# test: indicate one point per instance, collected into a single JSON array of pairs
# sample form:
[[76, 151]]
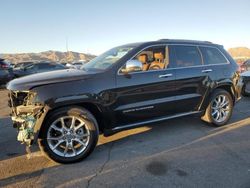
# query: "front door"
[[148, 94]]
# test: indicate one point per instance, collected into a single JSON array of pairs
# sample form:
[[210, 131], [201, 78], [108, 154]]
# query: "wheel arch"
[[94, 109], [225, 86], [228, 87]]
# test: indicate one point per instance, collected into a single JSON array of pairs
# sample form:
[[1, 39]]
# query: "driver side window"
[[153, 58]]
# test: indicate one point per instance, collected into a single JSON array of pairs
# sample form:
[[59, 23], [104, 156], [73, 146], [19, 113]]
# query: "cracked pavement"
[[183, 152], [102, 167]]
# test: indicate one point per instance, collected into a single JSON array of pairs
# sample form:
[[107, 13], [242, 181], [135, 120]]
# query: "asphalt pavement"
[[183, 152]]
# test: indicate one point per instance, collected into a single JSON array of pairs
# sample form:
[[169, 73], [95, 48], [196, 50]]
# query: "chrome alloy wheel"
[[220, 108], [68, 136]]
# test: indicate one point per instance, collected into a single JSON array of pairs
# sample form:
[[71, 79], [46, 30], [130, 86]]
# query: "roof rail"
[[184, 40]]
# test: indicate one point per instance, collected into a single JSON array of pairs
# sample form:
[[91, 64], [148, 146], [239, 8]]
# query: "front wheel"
[[69, 135], [220, 108]]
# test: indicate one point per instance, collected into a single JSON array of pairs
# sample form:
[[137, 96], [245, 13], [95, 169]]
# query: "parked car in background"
[[76, 64], [33, 68], [23, 64], [245, 66], [246, 83], [126, 87], [6, 72], [64, 64]]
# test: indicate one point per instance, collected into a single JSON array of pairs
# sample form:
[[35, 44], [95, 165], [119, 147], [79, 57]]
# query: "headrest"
[[158, 55], [143, 58]]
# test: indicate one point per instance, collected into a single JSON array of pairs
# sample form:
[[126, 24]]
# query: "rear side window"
[[212, 56], [186, 56]]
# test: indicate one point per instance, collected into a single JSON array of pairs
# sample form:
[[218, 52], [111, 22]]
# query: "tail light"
[[4, 66], [242, 68]]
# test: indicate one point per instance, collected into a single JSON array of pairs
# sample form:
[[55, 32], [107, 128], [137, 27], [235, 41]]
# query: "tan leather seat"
[[158, 63], [144, 59]]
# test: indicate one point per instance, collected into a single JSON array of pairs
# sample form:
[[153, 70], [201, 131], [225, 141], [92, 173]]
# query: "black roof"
[[185, 41], [172, 41]]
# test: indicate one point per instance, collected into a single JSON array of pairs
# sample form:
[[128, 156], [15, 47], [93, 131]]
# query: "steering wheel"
[[155, 67]]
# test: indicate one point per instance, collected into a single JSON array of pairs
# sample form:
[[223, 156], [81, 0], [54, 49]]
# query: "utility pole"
[[67, 48]]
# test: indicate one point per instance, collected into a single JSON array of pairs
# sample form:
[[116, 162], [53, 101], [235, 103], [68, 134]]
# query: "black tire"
[[208, 117], [79, 113]]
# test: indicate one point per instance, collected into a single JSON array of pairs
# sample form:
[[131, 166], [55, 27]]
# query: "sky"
[[94, 26]]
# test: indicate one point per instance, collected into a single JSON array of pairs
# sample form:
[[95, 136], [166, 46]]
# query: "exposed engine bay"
[[25, 113]]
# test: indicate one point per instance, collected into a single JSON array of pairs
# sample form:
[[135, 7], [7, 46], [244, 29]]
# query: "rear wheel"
[[220, 108], [69, 135]]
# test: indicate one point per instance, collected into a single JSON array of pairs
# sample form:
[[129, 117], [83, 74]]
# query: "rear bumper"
[[246, 85]]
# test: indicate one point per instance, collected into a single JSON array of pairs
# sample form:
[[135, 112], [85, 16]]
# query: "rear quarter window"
[[212, 56]]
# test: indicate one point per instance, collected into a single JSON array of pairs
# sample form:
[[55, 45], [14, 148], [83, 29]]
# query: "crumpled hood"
[[27, 82]]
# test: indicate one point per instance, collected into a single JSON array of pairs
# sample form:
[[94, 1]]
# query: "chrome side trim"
[[153, 120], [165, 75], [154, 102], [207, 70]]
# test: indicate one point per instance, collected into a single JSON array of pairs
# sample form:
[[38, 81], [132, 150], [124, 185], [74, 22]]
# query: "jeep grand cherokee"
[[126, 87]]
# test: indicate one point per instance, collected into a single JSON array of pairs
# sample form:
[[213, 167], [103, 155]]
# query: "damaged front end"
[[25, 113]]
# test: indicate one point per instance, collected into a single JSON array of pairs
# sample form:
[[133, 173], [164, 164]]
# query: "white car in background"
[[76, 64]]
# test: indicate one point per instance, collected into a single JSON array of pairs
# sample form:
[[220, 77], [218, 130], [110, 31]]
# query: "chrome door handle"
[[165, 75], [206, 70]]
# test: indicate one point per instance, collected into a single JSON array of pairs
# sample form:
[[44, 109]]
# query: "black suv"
[[126, 87]]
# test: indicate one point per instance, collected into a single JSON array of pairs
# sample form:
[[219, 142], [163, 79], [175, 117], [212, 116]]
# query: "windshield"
[[107, 59]]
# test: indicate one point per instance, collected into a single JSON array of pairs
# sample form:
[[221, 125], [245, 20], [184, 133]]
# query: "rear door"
[[216, 61], [192, 78], [147, 94]]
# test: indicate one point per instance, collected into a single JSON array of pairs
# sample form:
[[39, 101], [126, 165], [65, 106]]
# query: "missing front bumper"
[[25, 122], [25, 115]]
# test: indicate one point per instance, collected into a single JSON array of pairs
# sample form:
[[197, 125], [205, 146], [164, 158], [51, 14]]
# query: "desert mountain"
[[48, 56], [240, 52], [236, 53]]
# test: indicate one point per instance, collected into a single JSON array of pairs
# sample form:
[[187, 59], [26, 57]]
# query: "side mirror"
[[132, 66]]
